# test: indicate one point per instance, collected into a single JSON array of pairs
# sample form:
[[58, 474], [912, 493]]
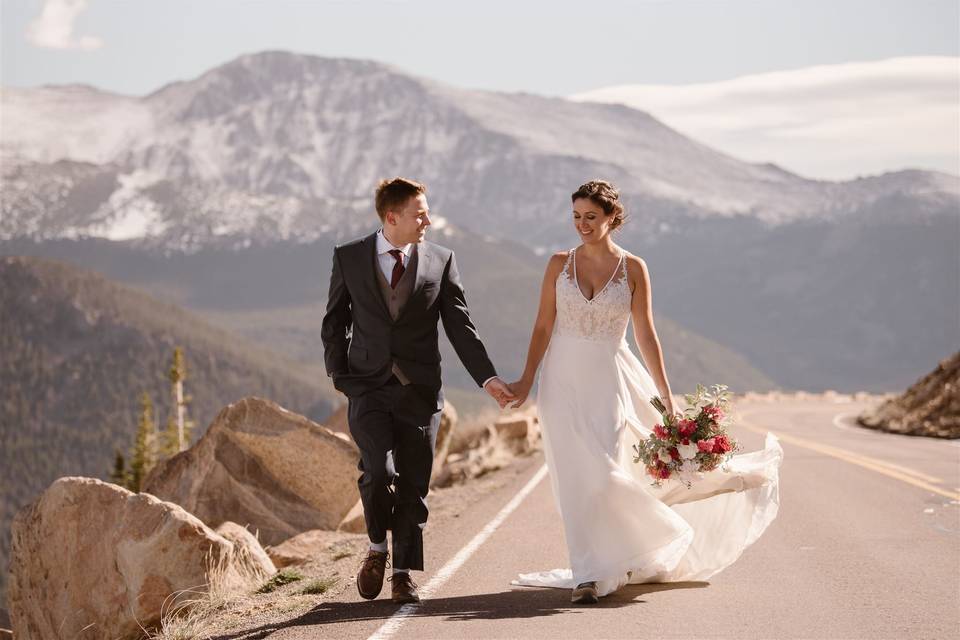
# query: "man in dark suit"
[[387, 293]]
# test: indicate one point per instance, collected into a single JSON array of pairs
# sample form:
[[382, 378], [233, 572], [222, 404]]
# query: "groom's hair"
[[393, 194]]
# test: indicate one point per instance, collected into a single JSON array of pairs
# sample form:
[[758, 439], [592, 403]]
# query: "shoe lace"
[[403, 577], [372, 556]]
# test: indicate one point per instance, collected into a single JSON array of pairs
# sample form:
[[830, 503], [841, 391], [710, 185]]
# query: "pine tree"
[[184, 426], [143, 456], [120, 475], [170, 438]]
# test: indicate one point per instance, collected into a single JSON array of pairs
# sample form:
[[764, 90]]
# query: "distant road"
[[866, 545]]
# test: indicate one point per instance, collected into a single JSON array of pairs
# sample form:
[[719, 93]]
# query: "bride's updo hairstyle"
[[604, 195]]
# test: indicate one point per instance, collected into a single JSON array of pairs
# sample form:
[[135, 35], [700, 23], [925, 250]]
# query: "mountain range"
[[818, 284]]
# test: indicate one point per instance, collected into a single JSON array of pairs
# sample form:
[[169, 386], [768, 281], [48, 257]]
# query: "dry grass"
[[188, 614], [189, 618]]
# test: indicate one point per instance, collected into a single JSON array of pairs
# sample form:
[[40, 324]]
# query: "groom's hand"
[[520, 389], [499, 391]]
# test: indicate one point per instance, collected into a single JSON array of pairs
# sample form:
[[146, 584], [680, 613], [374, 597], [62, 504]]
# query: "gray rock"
[[262, 466]]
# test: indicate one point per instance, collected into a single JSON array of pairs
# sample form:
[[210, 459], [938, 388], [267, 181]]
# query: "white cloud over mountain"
[[54, 27], [828, 121]]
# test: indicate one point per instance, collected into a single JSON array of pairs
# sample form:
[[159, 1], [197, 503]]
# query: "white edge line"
[[392, 625]]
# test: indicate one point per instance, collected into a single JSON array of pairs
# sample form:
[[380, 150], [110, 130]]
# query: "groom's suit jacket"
[[363, 343]]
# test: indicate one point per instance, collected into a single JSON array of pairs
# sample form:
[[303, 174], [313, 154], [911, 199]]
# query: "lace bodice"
[[604, 317]]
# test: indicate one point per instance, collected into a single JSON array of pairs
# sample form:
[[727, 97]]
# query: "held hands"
[[520, 389], [499, 391]]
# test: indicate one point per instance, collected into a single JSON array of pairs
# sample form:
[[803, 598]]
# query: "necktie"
[[397, 268]]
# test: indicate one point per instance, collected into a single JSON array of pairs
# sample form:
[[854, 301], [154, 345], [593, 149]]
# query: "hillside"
[[274, 295], [931, 407], [78, 350]]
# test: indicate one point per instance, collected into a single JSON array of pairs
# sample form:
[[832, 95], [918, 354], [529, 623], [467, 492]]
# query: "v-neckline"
[[596, 294]]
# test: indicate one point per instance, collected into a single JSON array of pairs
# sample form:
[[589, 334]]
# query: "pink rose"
[[706, 445], [721, 444], [664, 473], [687, 427]]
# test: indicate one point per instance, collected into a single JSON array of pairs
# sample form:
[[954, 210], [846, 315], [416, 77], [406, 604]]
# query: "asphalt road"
[[866, 545]]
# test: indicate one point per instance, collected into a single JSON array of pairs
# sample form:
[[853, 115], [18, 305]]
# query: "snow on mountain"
[[73, 122], [279, 145]]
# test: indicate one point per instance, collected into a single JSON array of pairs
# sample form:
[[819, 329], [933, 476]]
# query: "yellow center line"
[[882, 463], [887, 469], [913, 472]]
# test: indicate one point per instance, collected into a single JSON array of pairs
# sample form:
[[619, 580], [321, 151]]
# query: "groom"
[[387, 292]]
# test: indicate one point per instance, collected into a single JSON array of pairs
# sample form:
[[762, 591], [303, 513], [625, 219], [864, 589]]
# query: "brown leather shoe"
[[370, 575], [404, 588]]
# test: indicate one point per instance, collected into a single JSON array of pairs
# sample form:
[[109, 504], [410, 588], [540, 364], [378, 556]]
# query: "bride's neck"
[[595, 250]]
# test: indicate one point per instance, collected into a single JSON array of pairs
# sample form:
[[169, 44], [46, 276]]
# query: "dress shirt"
[[385, 260]]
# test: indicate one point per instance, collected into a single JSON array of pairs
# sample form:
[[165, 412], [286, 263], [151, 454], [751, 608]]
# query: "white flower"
[[687, 451], [664, 456]]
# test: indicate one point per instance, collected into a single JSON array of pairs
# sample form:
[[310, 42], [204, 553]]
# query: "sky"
[[553, 48]]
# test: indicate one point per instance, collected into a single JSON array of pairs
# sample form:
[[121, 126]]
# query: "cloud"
[[53, 28], [828, 121]]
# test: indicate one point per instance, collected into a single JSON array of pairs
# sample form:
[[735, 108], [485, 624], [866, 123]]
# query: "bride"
[[593, 404]]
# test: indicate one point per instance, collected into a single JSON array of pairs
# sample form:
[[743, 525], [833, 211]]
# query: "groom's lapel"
[[372, 265], [424, 256], [422, 266]]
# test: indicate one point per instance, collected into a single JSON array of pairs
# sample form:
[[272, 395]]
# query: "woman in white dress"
[[594, 405]]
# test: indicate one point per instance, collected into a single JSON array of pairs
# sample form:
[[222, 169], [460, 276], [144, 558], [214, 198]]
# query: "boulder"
[[309, 546], [248, 549], [262, 466], [448, 426], [490, 454], [519, 433], [90, 559], [354, 522]]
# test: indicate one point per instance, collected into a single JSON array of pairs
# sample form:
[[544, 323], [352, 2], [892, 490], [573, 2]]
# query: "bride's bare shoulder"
[[557, 261], [636, 267], [634, 262]]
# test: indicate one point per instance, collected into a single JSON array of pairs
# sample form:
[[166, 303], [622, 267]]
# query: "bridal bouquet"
[[691, 442]]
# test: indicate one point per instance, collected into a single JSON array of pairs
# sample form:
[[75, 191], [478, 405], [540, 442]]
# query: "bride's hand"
[[668, 403], [520, 389]]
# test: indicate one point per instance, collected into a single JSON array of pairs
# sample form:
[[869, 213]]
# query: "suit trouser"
[[395, 427]]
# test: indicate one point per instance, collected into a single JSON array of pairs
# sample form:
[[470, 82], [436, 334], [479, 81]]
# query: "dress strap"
[[567, 266]]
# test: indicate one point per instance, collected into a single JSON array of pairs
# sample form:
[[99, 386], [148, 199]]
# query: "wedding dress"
[[594, 405]]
